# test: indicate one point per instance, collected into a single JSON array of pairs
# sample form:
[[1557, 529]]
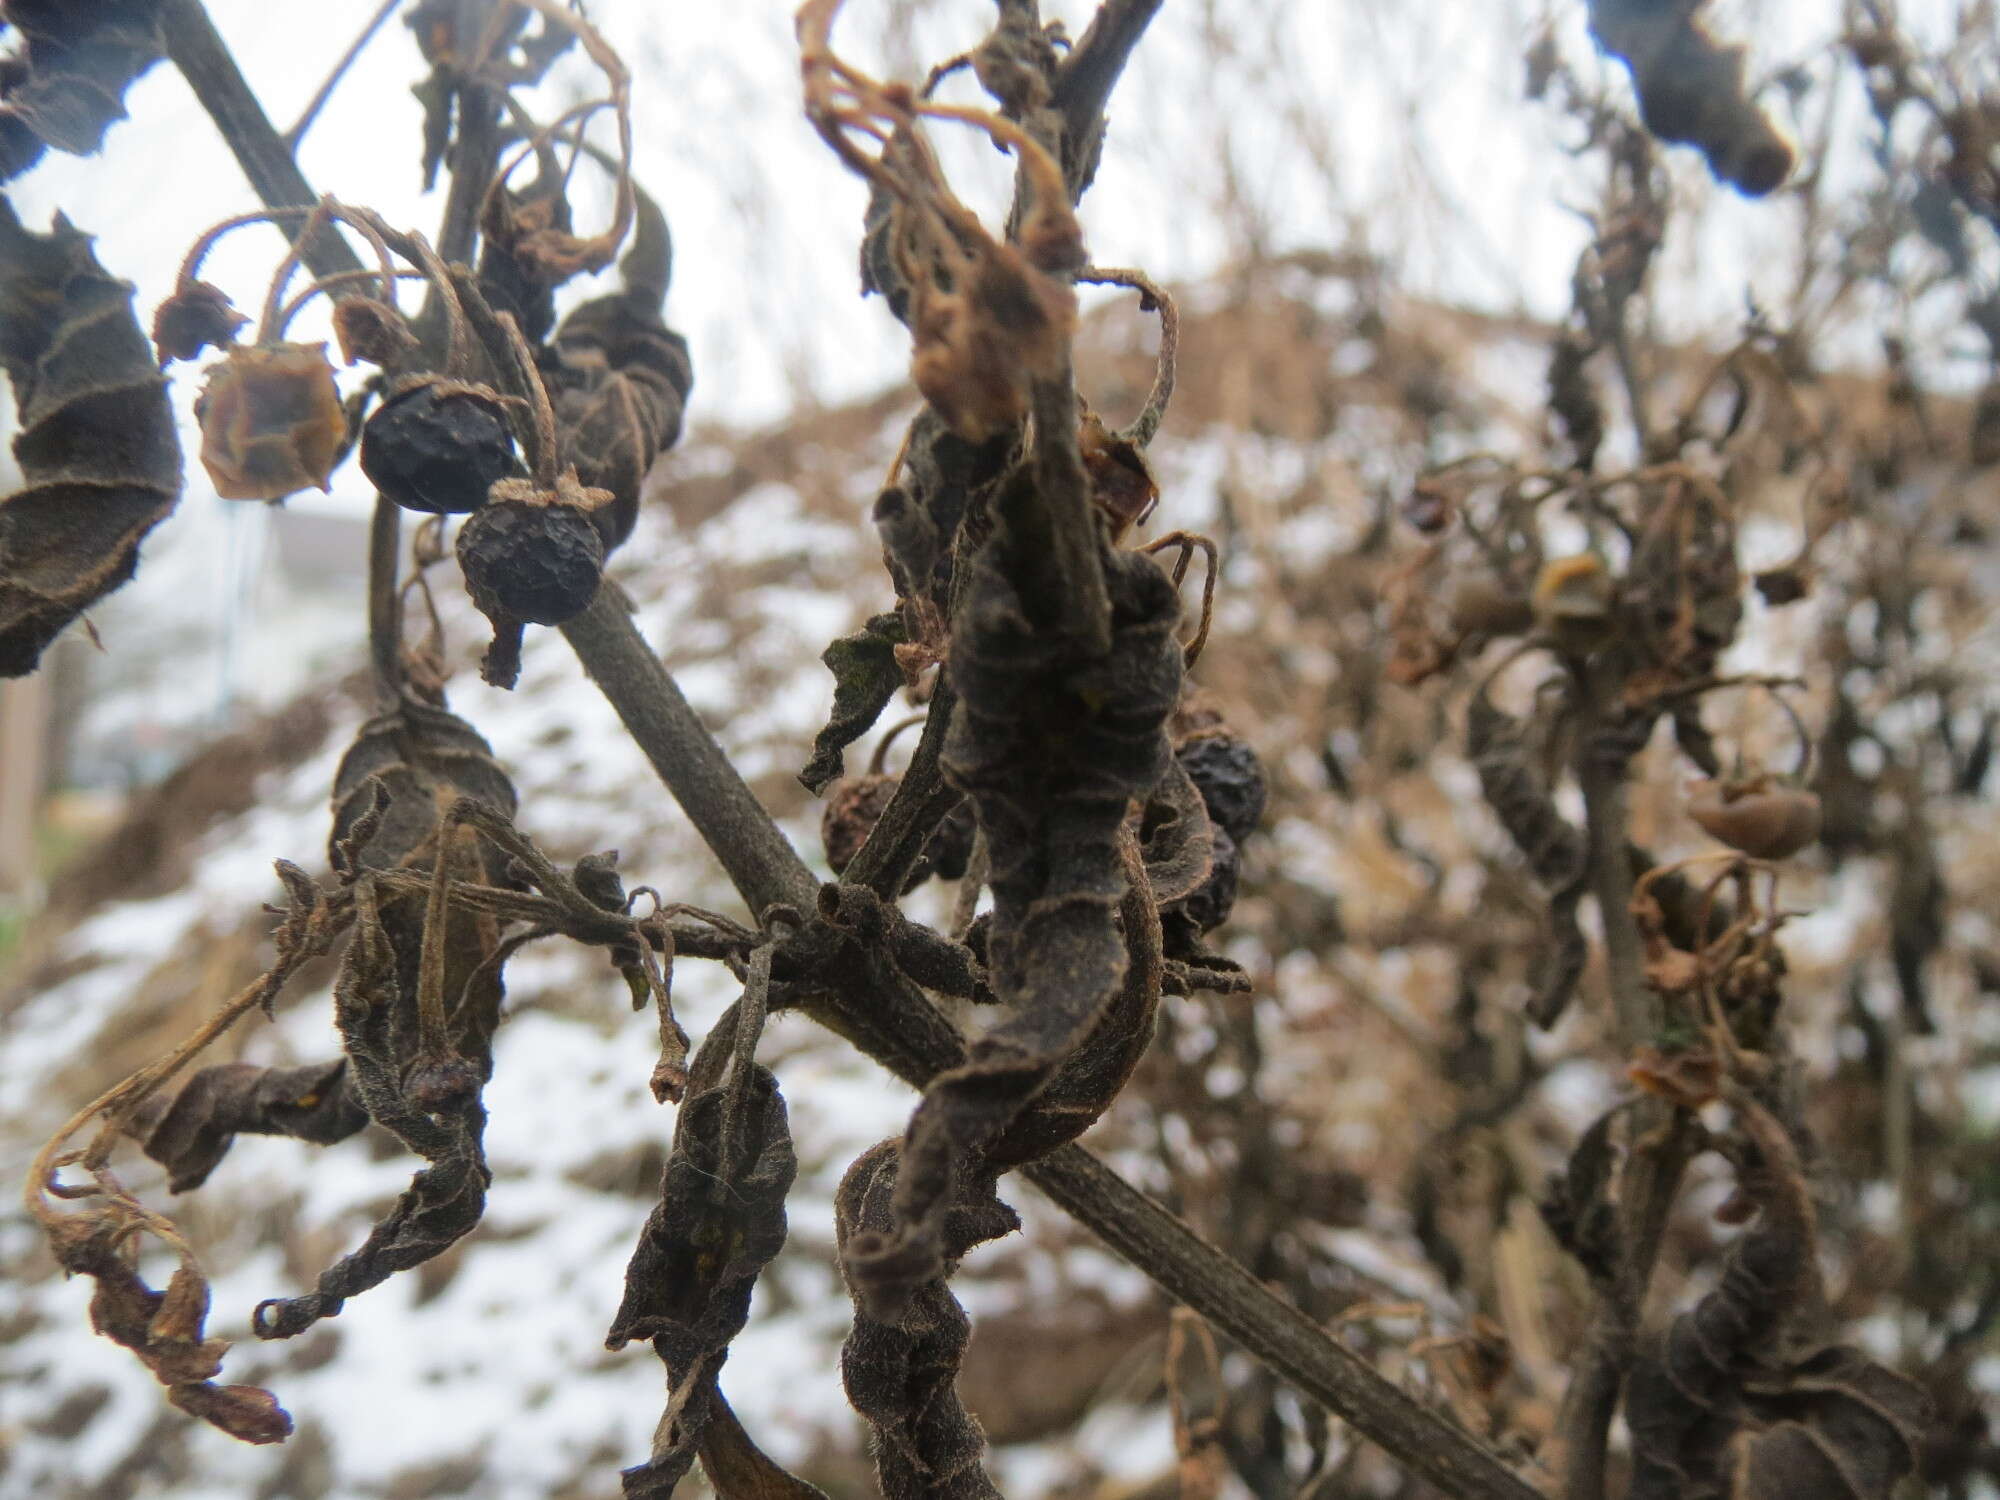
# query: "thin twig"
[[297, 133], [1152, 298], [385, 607], [196, 49]]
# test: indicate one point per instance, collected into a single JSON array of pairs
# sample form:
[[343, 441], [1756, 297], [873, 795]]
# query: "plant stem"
[[758, 860], [1651, 1177], [1087, 77], [1635, 1009], [921, 800], [385, 601], [204, 60], [297, 133]]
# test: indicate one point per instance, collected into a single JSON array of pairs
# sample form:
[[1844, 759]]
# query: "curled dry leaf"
[[977, 351], [1051, 744], [271, 421], [901, 1373], [1721, 1404], [164, 1329], [80, 367], [719, 1222], [191, 1133], [621, 378], [65, 85], [865, 678], [418, 994], [1555, 850]]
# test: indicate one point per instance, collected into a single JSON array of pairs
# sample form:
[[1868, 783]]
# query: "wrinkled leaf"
[[865, 677], [688, 1285], [191, 1134], [165, 1329], [1718, 1406], [66, 85], [901, 1375], [1051, 743], [96, 446], [1555, 852]]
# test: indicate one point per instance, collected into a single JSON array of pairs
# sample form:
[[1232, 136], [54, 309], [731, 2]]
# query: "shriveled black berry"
[[438, 447], [949, 851], [856, 804], [853, 807], [530, 557], [1231, 780], [532, 560]]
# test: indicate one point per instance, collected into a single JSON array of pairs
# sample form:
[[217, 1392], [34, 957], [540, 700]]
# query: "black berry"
[[533, 559], [1231, 781], [530, 557], [950, 848], [438, 447]]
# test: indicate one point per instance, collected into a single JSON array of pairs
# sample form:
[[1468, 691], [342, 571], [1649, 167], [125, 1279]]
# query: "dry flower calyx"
[[271, 421]]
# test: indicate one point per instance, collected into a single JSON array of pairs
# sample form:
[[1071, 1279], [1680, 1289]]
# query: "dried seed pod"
[[198, 316], [530, 557], [1230, 779], [1760, 815], [855, 806], [949, 851], [438, 446], [271, 421], [532, 554], [1121, 481], [367, 329]]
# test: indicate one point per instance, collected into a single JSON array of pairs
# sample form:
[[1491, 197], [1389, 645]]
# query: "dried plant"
[[1070, 767]]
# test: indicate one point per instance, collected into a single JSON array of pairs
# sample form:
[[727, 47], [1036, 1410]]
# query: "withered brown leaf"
[[716, 1227]]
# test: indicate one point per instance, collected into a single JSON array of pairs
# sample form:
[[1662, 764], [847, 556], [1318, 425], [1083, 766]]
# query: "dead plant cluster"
[[1548, 608]]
